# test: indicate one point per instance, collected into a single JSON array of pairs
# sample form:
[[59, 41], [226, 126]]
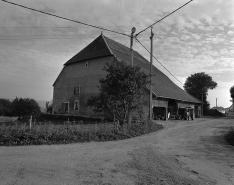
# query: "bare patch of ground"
[[151, 167]]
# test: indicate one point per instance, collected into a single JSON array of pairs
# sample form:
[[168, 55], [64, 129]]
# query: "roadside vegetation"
[[16, 133], [214, 113], [229, 136]]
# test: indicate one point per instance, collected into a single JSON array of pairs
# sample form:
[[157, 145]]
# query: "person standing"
[[187, 114], [192, 114]]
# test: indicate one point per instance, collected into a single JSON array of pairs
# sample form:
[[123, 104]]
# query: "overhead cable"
[[164, 17], [64, 18], [158, 61]]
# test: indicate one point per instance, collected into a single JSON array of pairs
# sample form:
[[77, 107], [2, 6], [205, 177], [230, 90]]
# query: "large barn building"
[[80, 76]]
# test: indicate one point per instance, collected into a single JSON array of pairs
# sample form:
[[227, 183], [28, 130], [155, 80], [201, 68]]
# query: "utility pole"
[[151, 63], [131, 44], [216, 103], [202, 102]]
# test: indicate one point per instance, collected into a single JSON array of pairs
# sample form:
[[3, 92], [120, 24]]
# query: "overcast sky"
[[34, 47]]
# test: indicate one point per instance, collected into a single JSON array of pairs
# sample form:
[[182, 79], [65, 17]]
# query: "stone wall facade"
[[76, 83]]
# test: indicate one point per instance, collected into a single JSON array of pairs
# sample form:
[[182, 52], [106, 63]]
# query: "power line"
[[32, 38], [41, 36], [165, 67], [164, 17], [64, 18], [158, 61], [22, 37]]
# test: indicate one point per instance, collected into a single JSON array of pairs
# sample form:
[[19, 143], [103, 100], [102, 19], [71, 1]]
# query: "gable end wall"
[[77, 74]]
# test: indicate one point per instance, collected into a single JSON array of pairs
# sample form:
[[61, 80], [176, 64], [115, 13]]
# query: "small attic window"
[[86, 64]]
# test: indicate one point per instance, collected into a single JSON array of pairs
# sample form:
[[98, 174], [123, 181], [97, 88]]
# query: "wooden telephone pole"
[[151, 63], [131, 43]]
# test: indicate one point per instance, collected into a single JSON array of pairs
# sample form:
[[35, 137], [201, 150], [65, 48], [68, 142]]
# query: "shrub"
[[215, 113], [229, 136]]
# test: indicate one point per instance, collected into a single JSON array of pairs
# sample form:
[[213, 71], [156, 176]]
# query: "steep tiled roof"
[[95, 49], [162, 85]]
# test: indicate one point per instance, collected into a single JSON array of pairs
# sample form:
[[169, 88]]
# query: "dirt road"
[[185, 152]]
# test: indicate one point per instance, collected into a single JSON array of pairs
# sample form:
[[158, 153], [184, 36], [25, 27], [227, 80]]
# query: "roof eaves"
[[86, 59], [58, 77], [178, 99]]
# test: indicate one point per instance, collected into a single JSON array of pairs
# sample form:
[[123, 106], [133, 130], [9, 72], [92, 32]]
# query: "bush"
[[214, 113], [143, 127], [229, 136]]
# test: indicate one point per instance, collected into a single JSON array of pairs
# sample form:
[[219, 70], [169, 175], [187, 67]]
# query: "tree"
[[49, 106], [25, 107], [120, 91], [5, 107], [198, 85], [232, 93]]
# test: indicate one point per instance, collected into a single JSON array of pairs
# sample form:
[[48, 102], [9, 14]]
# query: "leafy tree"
[[5, 107], [198, 85], [120, 91], [232, 93], [25, 107], [49, 106]]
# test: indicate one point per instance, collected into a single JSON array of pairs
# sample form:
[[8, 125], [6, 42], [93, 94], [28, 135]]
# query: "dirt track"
[[185, 152]]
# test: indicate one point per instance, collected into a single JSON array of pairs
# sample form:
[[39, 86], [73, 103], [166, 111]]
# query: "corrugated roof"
[[162, 85]]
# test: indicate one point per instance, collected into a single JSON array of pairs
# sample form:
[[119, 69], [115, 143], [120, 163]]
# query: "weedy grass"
[[16, 134], [229, 136]]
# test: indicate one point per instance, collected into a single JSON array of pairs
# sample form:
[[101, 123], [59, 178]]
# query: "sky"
[[197, 38]]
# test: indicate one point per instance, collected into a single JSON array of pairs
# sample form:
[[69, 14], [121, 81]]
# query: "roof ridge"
[[103, 37]]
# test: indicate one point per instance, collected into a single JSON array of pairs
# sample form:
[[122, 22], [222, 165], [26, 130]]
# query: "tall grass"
[[49, 133]]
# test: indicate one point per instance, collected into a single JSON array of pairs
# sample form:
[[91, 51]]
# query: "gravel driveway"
[[185, 152]]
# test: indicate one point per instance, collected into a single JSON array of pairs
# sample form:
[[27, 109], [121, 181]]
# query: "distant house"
[[80, 76]]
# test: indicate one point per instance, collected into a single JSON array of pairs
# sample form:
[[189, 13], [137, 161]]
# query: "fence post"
[[30, 122], [95, 129], [117, 126], [34, 122], [67, 125]]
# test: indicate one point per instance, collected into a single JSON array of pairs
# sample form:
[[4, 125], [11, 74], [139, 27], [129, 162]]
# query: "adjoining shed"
[[80, 76]]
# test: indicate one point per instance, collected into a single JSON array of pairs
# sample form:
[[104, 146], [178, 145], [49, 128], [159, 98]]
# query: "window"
[[86, 64], [76, 105], [77, 90]]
